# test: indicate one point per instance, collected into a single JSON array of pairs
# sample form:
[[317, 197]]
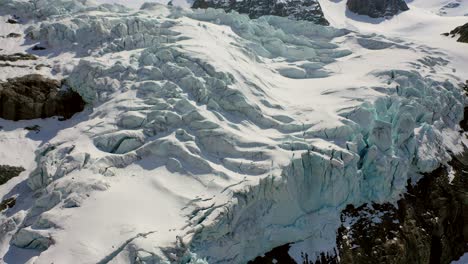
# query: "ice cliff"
[[241, 106]]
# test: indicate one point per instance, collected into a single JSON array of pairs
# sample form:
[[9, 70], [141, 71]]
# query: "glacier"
[[240, 110]]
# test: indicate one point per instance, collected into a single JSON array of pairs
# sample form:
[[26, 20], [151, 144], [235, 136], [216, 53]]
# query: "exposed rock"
[[7, 172], [464, 123], [37, 47], [280, 255], [17, 57], [377, 8], [430, 224], [462, 31], [40, 66], [35, 128], [33, 96], [13, 35], [12, 21], [309, 10], [8, 203], [2, 65]]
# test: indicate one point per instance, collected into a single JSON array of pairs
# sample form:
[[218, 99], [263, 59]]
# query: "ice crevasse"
[[281, 172]]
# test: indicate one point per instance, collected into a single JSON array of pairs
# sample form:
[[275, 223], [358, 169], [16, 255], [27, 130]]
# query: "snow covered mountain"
[[211, 137]]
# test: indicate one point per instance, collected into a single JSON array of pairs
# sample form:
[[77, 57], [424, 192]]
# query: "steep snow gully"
[[212, 138]]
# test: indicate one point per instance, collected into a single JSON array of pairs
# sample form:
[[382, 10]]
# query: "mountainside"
[[32, 96], [211, 137], [377, 8], [308, 10], [461, 32]]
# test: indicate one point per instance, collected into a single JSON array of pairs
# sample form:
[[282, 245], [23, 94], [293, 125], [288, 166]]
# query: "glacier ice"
[[31, 239], [156, 100], [44, 9]]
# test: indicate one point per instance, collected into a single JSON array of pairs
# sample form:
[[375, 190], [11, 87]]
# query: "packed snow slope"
[[443, 7], [421, 24], [211, 137]]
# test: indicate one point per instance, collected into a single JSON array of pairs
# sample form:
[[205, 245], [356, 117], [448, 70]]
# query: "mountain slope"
[[308, 10], [213, 136]]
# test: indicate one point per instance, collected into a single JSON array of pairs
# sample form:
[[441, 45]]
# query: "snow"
[[443, 7], [462, 260], [210, 135], [135, 203], [136, 4], [418, 25]]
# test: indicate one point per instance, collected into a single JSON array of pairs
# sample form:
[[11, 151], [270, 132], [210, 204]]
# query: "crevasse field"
[[213, 138]]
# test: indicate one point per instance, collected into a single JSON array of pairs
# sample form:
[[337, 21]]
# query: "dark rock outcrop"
[[461, 31], [309, 10], [12, 21], [3, 65], [280, 254], [33, 96], [17, 57], [430, 224], [7, 203], [377, 8], [37, 47], [7, 172], [13, 35]]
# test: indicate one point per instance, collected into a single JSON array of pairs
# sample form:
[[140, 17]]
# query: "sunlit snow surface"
[[213, 136]]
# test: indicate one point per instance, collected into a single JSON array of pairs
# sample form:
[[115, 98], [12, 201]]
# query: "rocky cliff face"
[[33, 96], [430, 224], [377, 8], [462, 32], [309, 10], [8, 172]]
